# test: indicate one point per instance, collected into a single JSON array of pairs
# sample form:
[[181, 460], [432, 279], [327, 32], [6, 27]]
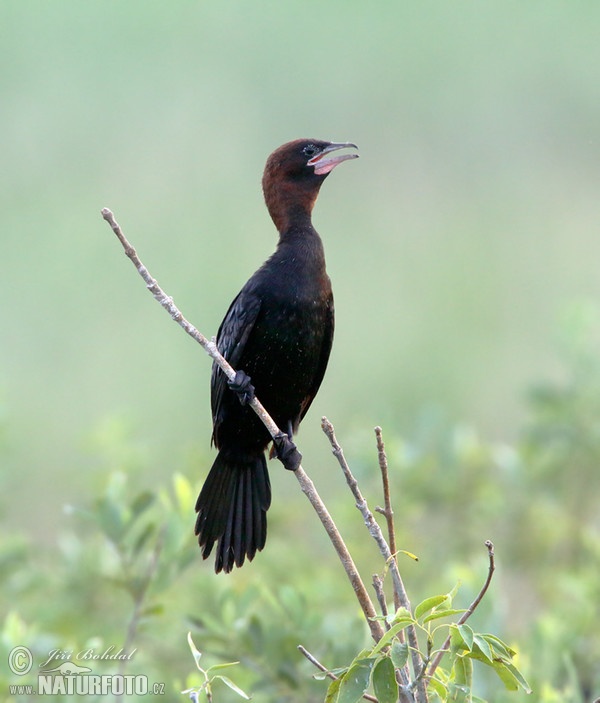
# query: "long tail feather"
[[232, 509]]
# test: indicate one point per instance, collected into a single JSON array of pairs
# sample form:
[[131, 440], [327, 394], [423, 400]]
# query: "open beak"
[[324, 165]]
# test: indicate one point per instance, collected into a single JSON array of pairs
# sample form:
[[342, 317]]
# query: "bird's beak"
[[323, 166]]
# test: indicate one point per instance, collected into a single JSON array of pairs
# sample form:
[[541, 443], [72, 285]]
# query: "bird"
[[277, 334]]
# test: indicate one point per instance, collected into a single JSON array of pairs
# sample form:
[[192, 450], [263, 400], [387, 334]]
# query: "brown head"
[[293, 176]]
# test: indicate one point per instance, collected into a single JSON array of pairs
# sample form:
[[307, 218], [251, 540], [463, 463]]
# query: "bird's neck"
[[301, 245], [292, 220], [300, 231], [290, 206]]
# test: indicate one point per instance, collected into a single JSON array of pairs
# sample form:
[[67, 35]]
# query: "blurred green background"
[[455, 243]]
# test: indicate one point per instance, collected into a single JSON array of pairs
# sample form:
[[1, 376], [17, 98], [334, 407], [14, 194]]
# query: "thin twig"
[[469, 611], [313, 660], [387, 510], [306, 484], [379, 592], [375, 532], [421, 675], [370, 522]]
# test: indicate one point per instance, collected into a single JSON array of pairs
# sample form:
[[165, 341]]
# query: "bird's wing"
[[231, 341], [324, 358]]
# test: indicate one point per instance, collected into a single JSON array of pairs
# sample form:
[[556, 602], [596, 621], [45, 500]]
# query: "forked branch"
[[375, 532], [386, 511]]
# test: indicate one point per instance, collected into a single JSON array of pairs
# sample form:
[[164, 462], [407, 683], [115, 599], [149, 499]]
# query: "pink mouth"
[[326, 165]]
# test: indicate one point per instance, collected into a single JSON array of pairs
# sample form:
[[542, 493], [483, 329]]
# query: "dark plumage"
[[279, 331]]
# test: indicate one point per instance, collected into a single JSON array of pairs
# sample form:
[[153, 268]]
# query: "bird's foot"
[[242, 386], [287, 452]]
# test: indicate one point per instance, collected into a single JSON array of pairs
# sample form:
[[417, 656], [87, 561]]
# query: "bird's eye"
[[310, 150]]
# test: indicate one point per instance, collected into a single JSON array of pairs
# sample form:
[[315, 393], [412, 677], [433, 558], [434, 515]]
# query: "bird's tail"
[[232, 509]]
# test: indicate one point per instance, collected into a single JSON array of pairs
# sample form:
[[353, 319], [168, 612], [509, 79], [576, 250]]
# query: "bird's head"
[[294, 174]]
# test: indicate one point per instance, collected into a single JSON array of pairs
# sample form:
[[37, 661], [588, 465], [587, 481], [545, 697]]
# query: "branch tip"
[[471, 609]]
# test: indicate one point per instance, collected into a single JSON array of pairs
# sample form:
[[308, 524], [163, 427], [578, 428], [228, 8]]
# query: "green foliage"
[[209, 676], [378, 668]]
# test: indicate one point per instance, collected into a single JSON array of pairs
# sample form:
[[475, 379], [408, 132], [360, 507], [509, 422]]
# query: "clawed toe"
[[242, 386], [286, 452]]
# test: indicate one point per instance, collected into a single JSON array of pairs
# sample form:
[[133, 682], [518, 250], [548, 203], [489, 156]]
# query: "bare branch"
[[313, 660], [378, 587], [306, 484], [387, 511], [470, 610]]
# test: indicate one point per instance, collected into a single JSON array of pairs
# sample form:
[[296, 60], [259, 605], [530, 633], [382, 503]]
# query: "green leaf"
[[384, 681], [355, 681], [390, 634], [505, 676], [322, 675], [499, 647], [463, 671], [453, 592], [443, 614], [467, 635], [220, 667], [400, 614], [333, 691], [429, 604], [438, 688], [399, 653], [457, 642], [363, 654], [510, 676], [519, 678], [483, 645], [233, 687], [194, 650], [457, 693]]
